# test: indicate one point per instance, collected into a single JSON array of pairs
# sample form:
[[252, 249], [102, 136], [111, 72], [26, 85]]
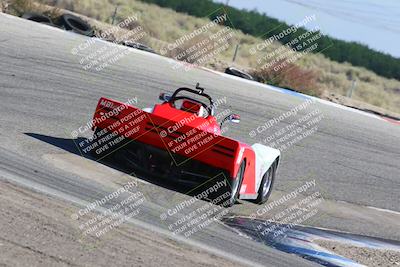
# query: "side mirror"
[[235, 118], [164, 97]]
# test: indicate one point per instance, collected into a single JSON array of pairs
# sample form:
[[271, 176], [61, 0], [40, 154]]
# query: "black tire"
[[139, 46], [234, 186], [266, 185], [238, 73], [76, 24], [38, 18]]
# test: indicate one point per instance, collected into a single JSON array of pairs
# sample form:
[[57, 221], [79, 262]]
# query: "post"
[[236, 51], [352, 88], [115, 14]]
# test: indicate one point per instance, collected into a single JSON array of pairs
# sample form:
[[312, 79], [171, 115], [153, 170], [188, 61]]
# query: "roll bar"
[[199, 91]]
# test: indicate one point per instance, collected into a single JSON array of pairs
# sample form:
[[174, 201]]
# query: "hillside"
[[257, 24]]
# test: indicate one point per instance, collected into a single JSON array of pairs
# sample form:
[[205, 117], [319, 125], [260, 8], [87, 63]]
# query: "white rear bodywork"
[[265, 156]]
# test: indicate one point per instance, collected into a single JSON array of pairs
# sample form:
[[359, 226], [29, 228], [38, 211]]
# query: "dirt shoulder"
[[349, 102], [36, 230], [363, 255]]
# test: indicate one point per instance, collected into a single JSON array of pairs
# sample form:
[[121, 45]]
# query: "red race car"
[[181, 138]]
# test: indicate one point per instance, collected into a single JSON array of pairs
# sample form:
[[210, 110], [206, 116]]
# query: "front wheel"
[[266, 184]]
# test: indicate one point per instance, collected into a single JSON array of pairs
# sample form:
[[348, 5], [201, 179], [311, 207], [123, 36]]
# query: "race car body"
[[181, 138]]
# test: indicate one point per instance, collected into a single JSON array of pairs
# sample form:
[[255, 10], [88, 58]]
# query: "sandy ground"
[[36, 230], [366, 256]]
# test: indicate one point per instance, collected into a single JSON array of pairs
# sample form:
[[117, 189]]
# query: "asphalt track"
[[45, 95]]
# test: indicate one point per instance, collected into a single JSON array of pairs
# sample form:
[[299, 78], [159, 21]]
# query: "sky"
[[371, 22]]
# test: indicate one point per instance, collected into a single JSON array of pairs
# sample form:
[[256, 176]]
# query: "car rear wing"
[[134, 124]]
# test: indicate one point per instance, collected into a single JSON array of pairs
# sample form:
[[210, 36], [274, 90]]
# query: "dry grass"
[[19, 7], [323, 76], [3, 6], [291, 77]]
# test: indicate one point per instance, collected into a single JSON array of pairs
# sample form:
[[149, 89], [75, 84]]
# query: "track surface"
[[45, 92]]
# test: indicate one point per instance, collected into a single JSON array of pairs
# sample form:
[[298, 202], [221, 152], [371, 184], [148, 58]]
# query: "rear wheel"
[[266, 184]]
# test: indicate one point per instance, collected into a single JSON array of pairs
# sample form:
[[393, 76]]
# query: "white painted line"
[[384, 210]]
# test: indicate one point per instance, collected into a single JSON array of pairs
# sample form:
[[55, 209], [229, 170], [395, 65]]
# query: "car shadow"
[[71, 146]]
